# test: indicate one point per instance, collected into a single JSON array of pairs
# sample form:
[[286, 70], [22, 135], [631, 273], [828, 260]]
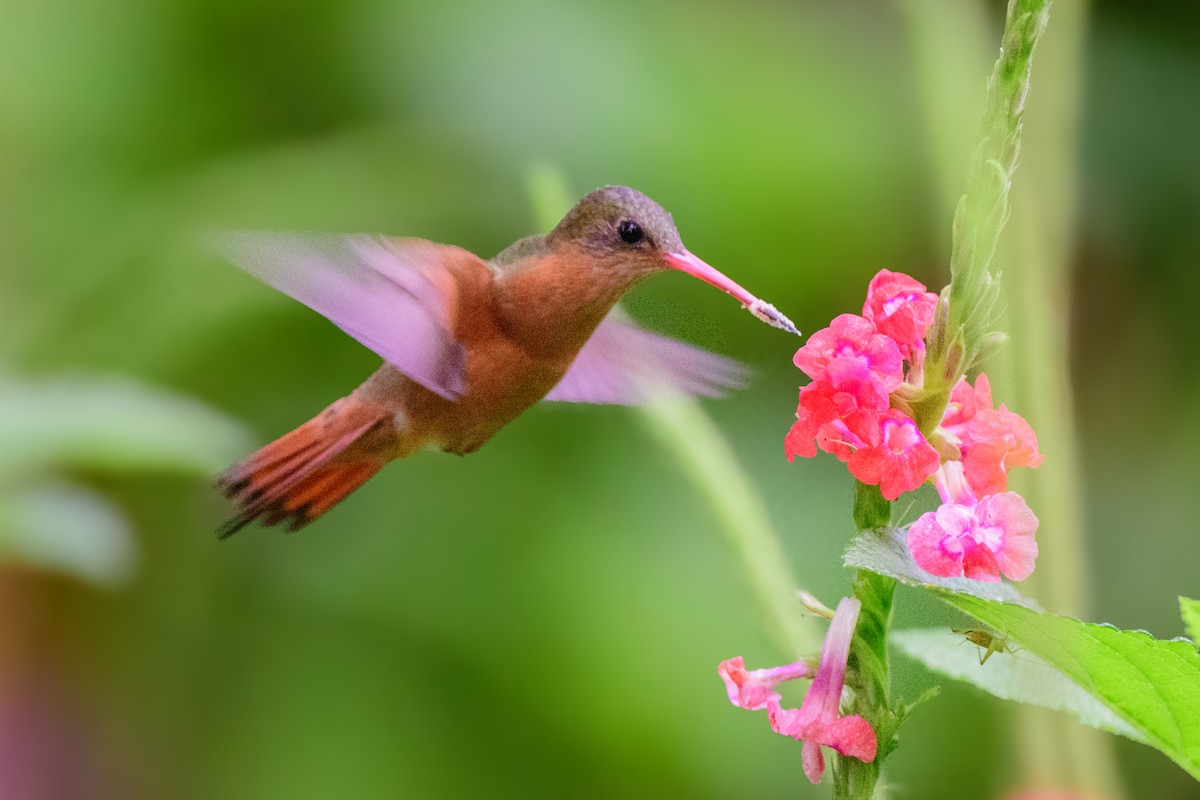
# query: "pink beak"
[[686, 262]]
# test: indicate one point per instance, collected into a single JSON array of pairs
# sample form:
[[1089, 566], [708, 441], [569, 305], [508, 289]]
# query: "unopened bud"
[[988, 347], [810, 602], [954, 358]]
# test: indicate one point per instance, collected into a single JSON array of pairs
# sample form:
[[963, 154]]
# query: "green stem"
[[853, 779]]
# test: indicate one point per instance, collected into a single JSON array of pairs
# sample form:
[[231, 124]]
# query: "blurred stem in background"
[[688, 433], [948, 36]]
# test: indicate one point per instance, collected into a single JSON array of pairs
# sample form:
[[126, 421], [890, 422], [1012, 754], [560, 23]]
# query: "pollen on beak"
[[686, 262]]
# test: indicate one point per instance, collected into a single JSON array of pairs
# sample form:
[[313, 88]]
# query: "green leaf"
[[67, 529], [1152, 685], [1190, 610], [1018, 676], [886, 552], [108, 423]]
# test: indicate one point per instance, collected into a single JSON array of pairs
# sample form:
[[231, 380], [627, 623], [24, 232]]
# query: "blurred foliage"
[[546, 616], [98, 425]]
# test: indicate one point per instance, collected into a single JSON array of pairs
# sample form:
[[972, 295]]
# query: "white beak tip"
[[767, 313]]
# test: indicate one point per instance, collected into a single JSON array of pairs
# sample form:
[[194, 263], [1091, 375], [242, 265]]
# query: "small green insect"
[[987, 641]]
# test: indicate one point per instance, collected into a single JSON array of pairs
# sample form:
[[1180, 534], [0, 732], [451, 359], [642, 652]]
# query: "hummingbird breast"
[[502, 374]]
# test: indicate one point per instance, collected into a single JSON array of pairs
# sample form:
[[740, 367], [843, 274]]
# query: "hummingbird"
[[469, 344]]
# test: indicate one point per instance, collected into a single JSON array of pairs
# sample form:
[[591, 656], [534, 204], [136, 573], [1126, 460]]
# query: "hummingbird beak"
[[686, 262]]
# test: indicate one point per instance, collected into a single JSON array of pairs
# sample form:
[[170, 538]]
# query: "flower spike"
[[864, 407]]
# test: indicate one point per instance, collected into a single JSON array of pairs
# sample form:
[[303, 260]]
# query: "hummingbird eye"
[[630, 231]]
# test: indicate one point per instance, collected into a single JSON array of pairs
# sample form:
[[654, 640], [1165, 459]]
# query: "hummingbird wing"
[[622, 364], [380, 290]]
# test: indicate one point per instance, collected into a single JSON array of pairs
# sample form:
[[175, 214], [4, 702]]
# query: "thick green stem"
[[853, 779]]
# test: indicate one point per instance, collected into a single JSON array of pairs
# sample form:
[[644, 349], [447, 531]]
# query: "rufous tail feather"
[[301, 475]]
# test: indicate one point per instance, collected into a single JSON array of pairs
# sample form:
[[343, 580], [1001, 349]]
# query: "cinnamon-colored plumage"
[[469, 344]]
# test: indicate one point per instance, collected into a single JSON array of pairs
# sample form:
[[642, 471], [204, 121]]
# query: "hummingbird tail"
[[301, 475]]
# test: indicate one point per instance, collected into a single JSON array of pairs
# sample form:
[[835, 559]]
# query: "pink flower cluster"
[[981, 530], [856, 364], [861, 368], [818, 722]]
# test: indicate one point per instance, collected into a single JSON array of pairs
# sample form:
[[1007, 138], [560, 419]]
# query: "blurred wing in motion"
[[379, 290], [622, 364]]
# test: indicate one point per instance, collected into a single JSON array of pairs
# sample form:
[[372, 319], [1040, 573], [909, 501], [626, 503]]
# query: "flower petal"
[[755, 689], [854, 337], [817, 721], [996, 440], [896, 457], [901, 308], [933, 548], [813, 761], [853, 736], [979, 561], [1018, 553]]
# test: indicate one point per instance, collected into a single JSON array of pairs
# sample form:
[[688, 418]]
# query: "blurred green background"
[[545, 617]]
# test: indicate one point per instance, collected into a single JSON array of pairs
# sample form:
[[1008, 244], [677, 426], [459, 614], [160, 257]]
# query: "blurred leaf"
[[1190, 610], [110, 423], [1021, 677], [886, 553], [67, 529]]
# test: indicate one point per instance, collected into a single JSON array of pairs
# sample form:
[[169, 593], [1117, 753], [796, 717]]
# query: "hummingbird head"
[[621, 227], [633, 236]]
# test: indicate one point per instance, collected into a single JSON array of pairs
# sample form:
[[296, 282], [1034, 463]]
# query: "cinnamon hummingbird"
[[469, 344]]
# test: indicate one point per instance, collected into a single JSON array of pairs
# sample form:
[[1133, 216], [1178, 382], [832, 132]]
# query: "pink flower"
[[839, 439], [991, 441], [996, 441], [852, 337], [982, 540], [900, 308], [894, 455], [817, 722], [848, 386], [820, 404], [964, 403], [752, 689], [801, 437]]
